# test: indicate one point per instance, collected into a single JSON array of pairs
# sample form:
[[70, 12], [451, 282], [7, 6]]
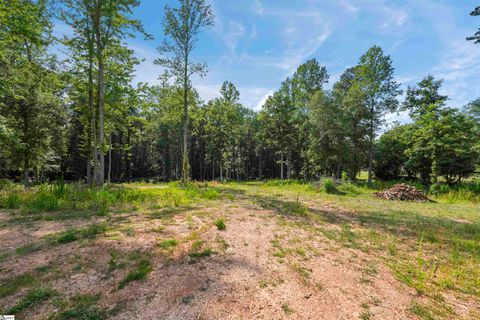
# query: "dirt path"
[[265, 266]]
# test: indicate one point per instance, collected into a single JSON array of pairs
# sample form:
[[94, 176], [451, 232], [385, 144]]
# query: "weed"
[[32, 298], [70, 235], [28, 248], [286, 308], [12, 285], [82, 307], [366, 315], [196, 255], [139, 273], [12, 201], [220, 223], [421, 311], [168, 243], [329, 186]]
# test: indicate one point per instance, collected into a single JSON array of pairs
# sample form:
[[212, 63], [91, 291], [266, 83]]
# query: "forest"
[[123, 199], [82, 118]]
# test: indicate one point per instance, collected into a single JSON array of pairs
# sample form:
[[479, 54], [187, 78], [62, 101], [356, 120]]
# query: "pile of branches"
[[402, 192]]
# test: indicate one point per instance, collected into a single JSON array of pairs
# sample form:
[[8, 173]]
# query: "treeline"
[[83, 119]]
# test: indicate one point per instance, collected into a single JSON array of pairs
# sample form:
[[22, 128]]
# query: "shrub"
[[329, 186], [12, 201], [43, 200], [220, 223]]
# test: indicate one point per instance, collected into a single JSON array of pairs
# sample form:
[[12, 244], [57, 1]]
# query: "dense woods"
[[82, 118]]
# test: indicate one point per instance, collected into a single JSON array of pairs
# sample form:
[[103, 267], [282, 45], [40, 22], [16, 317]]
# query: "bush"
[[220, 223], [329, 186], [44, 200], [12, 201]]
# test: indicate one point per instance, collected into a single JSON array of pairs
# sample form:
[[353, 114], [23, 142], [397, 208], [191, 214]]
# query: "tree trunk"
[[185, 164], [221, 171], [109, 178], [92, 118], [289, 164], [281, 166], [100, 177], [370, 156]]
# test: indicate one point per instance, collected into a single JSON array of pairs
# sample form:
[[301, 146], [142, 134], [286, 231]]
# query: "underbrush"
[[65, 197]]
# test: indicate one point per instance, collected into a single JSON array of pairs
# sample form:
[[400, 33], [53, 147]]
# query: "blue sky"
[[258, 43]]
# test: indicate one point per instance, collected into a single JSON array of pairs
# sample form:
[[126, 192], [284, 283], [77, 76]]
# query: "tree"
[[375, 77], [110, 23], [390, 152], [182, 27], [351, 103], [31, 87], [424, 97], [476, 37], [424, 103]]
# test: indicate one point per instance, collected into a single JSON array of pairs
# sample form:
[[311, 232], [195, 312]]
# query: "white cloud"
[[263, 100], [258, 8], [396, 17], [233, 36]]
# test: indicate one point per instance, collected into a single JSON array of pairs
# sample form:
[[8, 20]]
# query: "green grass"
[[11, 286], [141, 271], [81, 307], [74, 234], [168, 243], [32, 298], [220, 224]]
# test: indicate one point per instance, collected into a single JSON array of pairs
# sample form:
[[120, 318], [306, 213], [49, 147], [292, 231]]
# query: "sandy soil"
[[247, 278]]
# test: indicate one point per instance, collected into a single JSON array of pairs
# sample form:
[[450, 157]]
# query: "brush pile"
[[402, 192]]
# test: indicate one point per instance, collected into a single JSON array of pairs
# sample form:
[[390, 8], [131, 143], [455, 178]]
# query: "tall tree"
[[476, 37], [110, 23], [380, 90], [182, 27]]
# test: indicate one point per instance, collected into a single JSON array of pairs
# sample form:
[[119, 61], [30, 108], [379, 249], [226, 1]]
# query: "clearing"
[[274, 250]]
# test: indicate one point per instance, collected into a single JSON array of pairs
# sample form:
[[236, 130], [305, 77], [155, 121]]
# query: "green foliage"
[[329, 186], [168, 243], [31, 299], [82, 307], [12, 285], [220, 224], [70, 235], [140, 272]]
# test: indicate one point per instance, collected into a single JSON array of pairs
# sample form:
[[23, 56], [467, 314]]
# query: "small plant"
[[83, 307], [220, 223], [12, 285], [73, 234], [196, 255], [329, 186], [344, 177], [168, 243], [141, 271], [28, 248], [12, 201], [32, 298], [286, 308]]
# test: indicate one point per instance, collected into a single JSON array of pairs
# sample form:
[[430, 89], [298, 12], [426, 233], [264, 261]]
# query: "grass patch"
[[12, 285], [32, 298], [28, 248], [197, 255], [220, 224], [140, 272], [82, 307], [168, 244], [74, 234]]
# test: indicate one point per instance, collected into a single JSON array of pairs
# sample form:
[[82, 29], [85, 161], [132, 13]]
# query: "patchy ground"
[[279, 257]]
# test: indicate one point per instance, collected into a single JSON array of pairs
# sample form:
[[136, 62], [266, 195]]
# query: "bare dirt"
[[266, 266]]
